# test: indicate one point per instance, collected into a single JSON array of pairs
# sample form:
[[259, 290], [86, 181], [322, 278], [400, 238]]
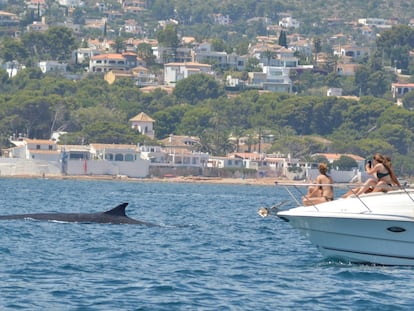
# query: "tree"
[[395, 44], [109, 133], [36, 44], [12, 49], [396, 135], [215, 143], [61, 42], [218, 45], [168, 37], [345, 163], [119, 45], [252, 65], [361, 79], [168, 120], [408, 101], [33, 117], [377, 84], [268, 54], [320, 159], [195, 121], [333, 80], [242, 47], [144, 51], [161, 9], [196, 88], [78, 16], [317, 47], [282, 39]]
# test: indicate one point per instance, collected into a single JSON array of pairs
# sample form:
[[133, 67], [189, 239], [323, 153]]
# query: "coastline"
[[265, 181]]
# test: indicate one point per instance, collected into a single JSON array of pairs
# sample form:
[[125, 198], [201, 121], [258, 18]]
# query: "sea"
[[211, 251]]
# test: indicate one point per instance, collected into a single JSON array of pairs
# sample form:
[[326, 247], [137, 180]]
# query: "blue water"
[[226, 257]]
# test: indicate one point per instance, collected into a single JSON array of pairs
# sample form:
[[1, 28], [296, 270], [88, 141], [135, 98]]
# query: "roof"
[[39, 141], [121, 73], [336, 156], [108, 56], [112, 146], [409, 85], [4, 13], [129, 53], [139, 68], [35, 151], [74, 147], [188, 64], [248, 155], [151, 88], [180, 141], [142, 117], [274, 160]]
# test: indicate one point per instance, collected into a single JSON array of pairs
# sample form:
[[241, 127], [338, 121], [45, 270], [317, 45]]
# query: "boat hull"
[[352, 240], [362, 232]]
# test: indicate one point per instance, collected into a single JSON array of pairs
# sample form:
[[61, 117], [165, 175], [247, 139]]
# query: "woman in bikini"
[[387, 178], [322, 193], [384, 177]]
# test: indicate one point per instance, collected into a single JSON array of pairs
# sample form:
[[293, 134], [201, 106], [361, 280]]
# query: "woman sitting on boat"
[[384, 177], [324, 192]]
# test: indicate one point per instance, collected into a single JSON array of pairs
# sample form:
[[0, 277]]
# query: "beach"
[[265, 181]]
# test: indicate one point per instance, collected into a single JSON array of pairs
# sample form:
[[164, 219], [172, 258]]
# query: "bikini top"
[[382, 175]]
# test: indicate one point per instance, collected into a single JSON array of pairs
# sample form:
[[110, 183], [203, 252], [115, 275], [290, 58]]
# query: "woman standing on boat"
[[323, 192]]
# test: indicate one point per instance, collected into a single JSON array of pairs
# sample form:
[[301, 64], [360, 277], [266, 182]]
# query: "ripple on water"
[[228, 258]]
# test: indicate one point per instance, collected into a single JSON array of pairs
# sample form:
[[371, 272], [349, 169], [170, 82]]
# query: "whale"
[[114, 216]]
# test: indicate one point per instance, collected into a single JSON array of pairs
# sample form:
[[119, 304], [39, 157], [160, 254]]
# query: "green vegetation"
[[90, 110], [93, 111]]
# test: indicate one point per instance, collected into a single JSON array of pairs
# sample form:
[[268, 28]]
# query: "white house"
[[71, 3], [107, 62], [274, 79], [225, 162], [204, 54], [334, 91], [84, 54], [12, 68], [52, 66], [400, 89], [174, 72], [34, 149], [143, 124], [104, 159], [289, 22], [154, 154]]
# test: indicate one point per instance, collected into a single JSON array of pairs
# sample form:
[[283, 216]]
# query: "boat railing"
[[350, 187]]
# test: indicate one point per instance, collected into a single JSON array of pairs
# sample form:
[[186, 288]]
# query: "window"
[[119, 157], [129, 157]]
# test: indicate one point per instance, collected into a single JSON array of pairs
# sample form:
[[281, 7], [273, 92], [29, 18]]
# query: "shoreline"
[[265, 181]]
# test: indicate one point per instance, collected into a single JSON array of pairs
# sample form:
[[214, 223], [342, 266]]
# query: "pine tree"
[[282, 39]]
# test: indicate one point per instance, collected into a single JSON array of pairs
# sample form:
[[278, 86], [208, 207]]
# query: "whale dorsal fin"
[[117, 211]]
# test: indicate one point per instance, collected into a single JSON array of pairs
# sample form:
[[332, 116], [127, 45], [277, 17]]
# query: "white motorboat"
[[371, 228]]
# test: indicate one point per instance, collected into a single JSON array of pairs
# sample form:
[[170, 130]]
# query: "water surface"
[[225, 257]]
